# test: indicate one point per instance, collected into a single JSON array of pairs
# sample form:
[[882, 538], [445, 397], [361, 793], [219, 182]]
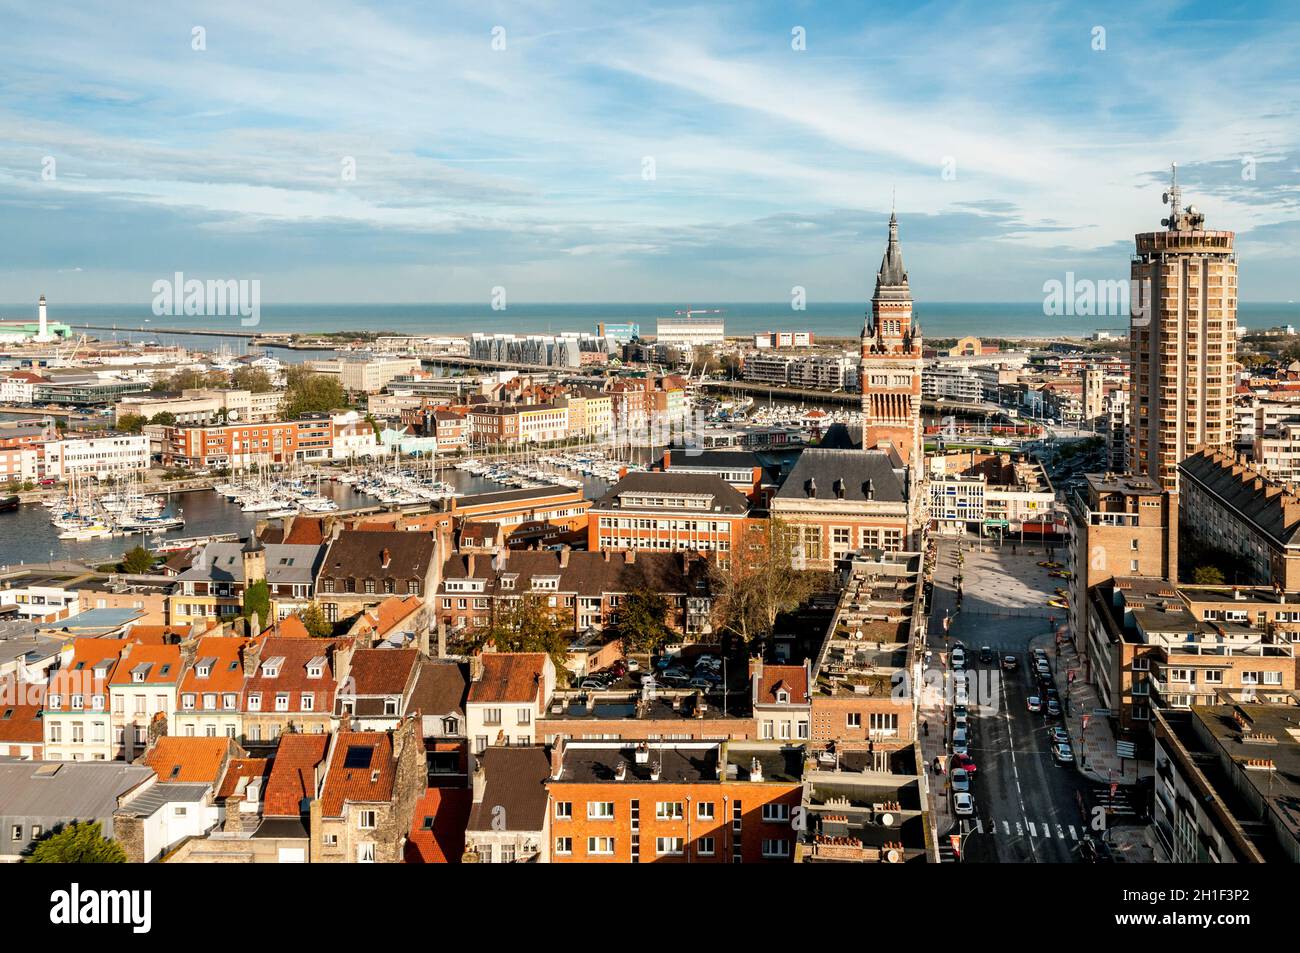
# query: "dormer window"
[[271, 667], [783, 697], [316, 667]]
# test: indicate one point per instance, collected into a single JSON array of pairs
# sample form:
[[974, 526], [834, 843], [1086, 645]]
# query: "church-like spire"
[[892, 273]]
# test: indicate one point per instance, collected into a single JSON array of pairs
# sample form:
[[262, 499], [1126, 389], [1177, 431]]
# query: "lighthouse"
[[43, 335]]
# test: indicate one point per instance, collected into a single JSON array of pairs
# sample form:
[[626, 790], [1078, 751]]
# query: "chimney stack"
[[629, 556], [557, 758]]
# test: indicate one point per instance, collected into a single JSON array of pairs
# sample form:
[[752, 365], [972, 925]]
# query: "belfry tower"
[[891, 363]]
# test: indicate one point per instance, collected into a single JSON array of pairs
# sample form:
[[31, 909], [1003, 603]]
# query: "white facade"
[[690, 332], [97, 455]]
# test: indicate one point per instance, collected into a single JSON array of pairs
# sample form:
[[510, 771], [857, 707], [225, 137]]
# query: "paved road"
[[1027, 805]]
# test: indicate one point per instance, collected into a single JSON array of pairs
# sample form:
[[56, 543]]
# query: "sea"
[[840, 319]]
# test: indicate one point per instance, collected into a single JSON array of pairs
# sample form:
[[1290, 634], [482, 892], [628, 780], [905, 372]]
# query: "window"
[[704, 810], [773, 813], [668, 846], [255, 701], [563, 810], [884, 723], [308, 701], [492, 716], [776, 848], [706, 847], [507, 853], [525, 717], [600, 846], [564, 846], [282, 701], [366, 852], [600, 810], [669, 810], [853, 719], [366, 820], [16, 832]]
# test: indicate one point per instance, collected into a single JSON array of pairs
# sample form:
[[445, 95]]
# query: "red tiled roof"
[[390, 613], [198, 760], [291, 627], [292, 675], [793, 678], [371, 780], [293, 773], [240, 768], [164, 663], [306, 531], [75, 677], [227, 671], [508, 677], [440, 839], [20, 712], [382, 671]]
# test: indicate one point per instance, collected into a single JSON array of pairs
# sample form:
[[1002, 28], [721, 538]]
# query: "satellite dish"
[[886, 820], [232, 415], [1165, 198], [894, 856]]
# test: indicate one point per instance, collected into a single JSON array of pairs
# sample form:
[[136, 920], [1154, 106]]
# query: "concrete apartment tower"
[[891, 363], [1183, 342]]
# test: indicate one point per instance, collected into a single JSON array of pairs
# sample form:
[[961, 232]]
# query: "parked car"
[[701, 683], [633, 665], [1009, 663], [593, 683], [960, 741], [957, 658], [963, 804], [1034, 703], [1054, 708], [960, 779], [1059, 735], [1062, 754], [965, 762]]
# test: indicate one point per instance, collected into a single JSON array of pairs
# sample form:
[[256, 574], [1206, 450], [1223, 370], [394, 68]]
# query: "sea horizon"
[[829, 319]]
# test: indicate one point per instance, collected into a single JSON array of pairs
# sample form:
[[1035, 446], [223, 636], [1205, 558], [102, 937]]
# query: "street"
[[1027, 807]]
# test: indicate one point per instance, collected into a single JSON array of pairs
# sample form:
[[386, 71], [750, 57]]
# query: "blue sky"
[[523, 167]]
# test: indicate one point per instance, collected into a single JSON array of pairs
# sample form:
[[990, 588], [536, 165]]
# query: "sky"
[[611, 152]]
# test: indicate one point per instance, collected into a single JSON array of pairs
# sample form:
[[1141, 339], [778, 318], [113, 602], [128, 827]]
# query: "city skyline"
[[581, 156]]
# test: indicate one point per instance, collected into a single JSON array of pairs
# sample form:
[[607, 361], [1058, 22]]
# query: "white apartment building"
[[96, 454], [690, 330]]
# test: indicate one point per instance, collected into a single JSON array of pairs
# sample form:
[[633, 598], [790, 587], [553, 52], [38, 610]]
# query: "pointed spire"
[[892, 271]]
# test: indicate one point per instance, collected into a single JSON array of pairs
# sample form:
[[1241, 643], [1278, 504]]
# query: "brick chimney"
[[668, 459], [252, 658], [385, 557], [564, 558], [629, 556], [557, 758]]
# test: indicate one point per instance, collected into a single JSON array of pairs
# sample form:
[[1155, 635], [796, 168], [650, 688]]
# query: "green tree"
[[137, 561], [78, 843], [524, 625], [252, 379], [164, 419], [187, 378], [760, 582], [641, 625], [257, 599], [317, 623], [309, 393], [131, 423], [1208, 576]]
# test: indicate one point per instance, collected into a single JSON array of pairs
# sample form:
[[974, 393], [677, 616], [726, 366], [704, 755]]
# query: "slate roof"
[[360, 554], [892, 273], [81, 790], [1267, 513], [817, 474], [516, 782], [223, 562], [586, 765], [440, 688], [726, 498]]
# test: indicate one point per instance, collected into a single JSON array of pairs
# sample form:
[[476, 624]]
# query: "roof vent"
[[642, 753], [620, 772]]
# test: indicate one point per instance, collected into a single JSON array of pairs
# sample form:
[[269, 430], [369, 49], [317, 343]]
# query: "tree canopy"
[[307, 392], [641, 624], [759, 583], [317, 623], [137, 561], [78, 843], [257, 600], [253, 379], [526, 624]]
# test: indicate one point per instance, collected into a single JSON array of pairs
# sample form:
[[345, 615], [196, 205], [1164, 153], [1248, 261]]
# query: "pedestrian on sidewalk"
[[925, 728]]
